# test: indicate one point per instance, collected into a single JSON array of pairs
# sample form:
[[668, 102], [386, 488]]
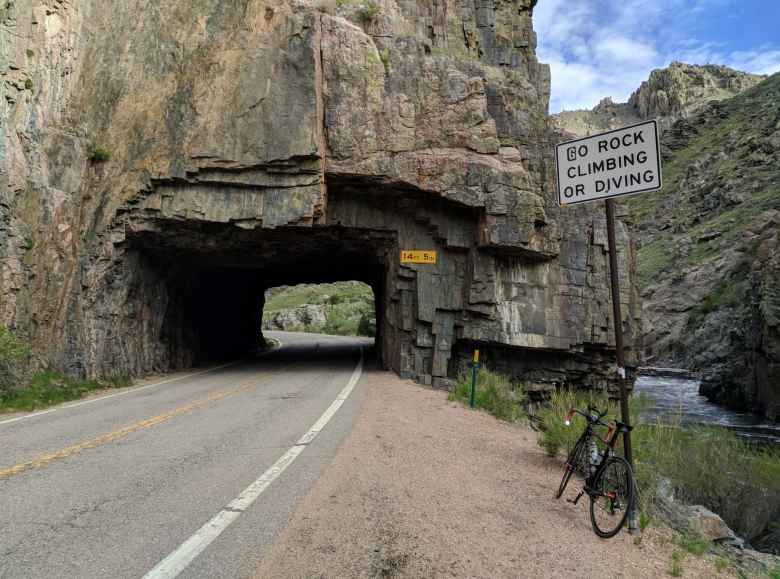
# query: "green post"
[[474, 369]]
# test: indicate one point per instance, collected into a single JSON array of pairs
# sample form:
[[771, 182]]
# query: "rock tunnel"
[[215, 277]]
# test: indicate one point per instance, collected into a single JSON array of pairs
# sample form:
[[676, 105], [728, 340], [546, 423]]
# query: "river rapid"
[[676, 396]]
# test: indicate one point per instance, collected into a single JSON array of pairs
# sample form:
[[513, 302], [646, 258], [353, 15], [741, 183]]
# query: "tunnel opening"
[[346, 308], [211, 280]]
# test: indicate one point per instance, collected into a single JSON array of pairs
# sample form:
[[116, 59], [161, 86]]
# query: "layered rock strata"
[[162, 166]]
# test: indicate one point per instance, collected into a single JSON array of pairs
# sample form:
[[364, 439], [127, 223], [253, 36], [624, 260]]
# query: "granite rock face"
[[273, 143]]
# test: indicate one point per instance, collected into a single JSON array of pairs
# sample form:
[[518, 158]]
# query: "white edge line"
[[186, 553], [130, 390]]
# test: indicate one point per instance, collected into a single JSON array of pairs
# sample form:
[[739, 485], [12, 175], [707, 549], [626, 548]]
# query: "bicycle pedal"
[[576, 499]]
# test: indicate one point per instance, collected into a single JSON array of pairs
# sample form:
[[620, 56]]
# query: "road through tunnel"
[[215, 276]]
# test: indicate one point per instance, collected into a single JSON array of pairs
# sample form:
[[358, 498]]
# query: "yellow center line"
[[46, 459]]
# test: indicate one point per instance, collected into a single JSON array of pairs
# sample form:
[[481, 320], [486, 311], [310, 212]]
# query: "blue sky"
[[599, 48]]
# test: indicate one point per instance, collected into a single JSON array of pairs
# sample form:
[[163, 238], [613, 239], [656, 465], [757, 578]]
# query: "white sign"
[[619, 162]]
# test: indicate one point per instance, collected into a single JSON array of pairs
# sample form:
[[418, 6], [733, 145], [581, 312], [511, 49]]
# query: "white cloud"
[[626, 51], [758, 61], [600, 48]]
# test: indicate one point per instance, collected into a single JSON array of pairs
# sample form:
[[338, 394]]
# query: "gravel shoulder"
[[424, 487]]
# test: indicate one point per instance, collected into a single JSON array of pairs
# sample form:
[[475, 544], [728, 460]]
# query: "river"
[[670, 396]]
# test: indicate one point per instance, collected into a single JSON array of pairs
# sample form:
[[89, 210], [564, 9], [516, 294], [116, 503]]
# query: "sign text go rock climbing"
[[619, 162]]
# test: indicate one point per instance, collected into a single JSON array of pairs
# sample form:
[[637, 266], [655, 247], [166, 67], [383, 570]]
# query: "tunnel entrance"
[[342, 309], [184, 279], [214, 280]]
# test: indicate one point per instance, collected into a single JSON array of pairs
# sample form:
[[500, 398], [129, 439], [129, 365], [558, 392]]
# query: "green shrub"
[[555, 436], [98, 154], [12, 349], [713, 467], [368, 10], [774, 573], [495, 394]]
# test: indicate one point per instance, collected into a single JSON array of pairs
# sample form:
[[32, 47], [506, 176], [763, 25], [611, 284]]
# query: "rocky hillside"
[[709, 253], [669, 94], [342, 308], [707, 258]]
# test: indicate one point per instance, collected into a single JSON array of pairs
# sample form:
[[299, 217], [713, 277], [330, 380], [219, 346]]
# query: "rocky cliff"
[[164, 163], [671, 93], [709, 247]]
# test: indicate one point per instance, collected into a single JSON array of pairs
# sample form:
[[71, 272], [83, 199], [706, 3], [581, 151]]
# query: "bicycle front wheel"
[[574, 461], [611, 497]]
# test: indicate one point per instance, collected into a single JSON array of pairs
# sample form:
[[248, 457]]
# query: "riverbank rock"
[[709, 525]]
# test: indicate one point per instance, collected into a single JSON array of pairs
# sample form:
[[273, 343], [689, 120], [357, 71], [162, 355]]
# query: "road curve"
[[113, 487]]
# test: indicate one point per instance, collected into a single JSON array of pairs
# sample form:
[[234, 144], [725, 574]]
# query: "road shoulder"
[[424, 487]]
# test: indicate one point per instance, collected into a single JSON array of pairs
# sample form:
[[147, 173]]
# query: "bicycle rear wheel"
[[574, 461], [611, 497]]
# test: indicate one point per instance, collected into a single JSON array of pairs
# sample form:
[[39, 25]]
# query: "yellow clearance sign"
[[418, 256]]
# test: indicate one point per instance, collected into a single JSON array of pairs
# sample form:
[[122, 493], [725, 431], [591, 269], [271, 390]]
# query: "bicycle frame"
[[609, 440]]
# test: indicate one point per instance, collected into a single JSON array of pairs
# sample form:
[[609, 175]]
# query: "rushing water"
[[673, 396]]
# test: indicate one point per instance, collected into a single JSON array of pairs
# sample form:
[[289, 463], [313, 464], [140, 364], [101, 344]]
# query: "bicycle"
[[609, 479]]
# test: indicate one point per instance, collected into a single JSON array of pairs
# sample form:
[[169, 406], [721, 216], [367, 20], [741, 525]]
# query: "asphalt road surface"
[[201, 473]]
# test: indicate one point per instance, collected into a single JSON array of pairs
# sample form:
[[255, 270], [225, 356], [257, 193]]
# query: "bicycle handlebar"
[[594, 415]]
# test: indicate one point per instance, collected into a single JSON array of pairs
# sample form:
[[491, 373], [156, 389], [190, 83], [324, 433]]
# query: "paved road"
[[111, 488]]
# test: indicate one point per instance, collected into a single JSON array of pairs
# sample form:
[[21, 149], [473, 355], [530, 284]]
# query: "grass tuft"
[[675, 565], [12, 351], [694, 544], [721, 564], [495, 394], [49, 387]]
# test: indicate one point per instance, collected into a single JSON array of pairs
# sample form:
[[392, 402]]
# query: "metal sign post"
[[474, 370], [620, 162], [618, 319]]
